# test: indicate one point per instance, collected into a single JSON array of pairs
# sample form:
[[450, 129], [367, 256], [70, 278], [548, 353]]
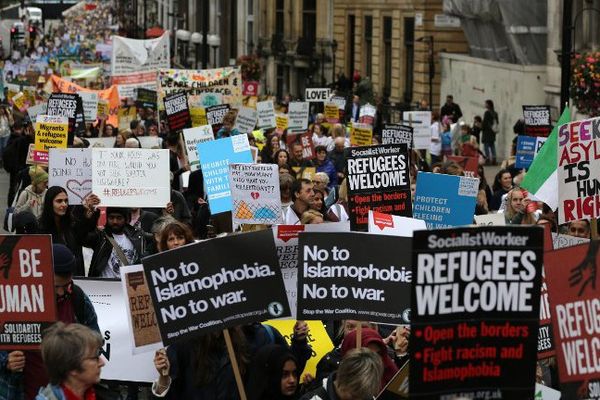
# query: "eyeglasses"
[[96, 357]]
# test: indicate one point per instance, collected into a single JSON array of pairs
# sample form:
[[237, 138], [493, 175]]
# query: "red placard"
[[250, 88], [469, 164], [305, 139]]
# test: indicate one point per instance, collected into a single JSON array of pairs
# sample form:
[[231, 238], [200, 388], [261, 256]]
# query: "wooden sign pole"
[[594, 228], [359, 335], [234, 364]]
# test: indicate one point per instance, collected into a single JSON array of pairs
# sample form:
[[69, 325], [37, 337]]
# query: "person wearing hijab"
[[273, 374]]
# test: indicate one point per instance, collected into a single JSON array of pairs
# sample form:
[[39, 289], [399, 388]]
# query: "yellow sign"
[[361, 135], [19, 101], [305, 173], [332, 113], [281, 122], [126, 115], [102, 109], [318, 339], [51, 131], [198, 115]]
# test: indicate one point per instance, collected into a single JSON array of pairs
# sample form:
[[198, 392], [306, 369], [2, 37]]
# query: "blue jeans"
[[490, 150]]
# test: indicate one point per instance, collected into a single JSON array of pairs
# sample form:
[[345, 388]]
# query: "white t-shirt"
[[113, 267], [326, 141], [435, 148]]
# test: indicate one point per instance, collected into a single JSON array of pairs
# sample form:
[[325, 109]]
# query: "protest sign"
[[101, 142], [286, 241], [143, 328], [377, 180], [178, 112], [339, 101], [298, 115], [125, 116], [470, 165], [393, 225], [121, 364], [129, 177], [128, 84], [560, 241], [134, 56], [225, 81], [397, 388], [367, 114], [281, 123], [27, 302], [305, 139], [420, 121], [255, 193], [90, 105], [525, 151], [574, 293], [266, 114], [36, 110], [71, 169], [490, 219], [102, 109], [18, 101], [354, 276], [207, 287], [215, 116], [193, 136], [250, 88], [578, 165], [70, 106], [332, 113], [537, 120], [320, 95], [444, 201], [215, 157], [146, 98], [545, 393], [545, 344], [396, 134], [475, 312], [150, 142], [51, 131], [361, 135], [245, 120], [198, 116]]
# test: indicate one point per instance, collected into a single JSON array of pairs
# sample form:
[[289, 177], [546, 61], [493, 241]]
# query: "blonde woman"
[[32, 197]]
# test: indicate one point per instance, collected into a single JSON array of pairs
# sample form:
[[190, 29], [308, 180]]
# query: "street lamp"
[[183, 38], [197, 40], [429, 41], [214, 41]]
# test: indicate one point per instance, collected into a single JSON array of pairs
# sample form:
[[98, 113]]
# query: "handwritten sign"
[[255, 193], [72, 170], [246, 120]]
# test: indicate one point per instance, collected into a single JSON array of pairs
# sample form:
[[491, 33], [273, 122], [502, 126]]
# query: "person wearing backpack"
[[489, 129]]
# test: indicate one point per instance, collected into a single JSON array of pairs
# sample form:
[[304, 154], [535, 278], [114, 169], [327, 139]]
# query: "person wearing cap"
[[22, 373], [118, 244], [32, 197]]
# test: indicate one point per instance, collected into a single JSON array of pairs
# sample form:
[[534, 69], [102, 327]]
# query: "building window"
[[232, 33], [368, 45], [409, 52], [309, 25], [350, 30], [587, 29], [387, 55], [250, 26], [279, 18]]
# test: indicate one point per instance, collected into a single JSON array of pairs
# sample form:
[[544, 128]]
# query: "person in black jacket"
[[451, 109]]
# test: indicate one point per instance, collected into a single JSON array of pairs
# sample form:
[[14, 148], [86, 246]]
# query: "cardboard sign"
[[250, 88], [101, 142], [578, 166], [192, 137], [246, 120], [470, 165], [421, 124], [255, 193], [475, 302], [198, 116], [90, 105], [332, 113], [490, 220], [305, 139], [537, 120], [444, 201], [68, 105], [146, 98], [143, 327], [266, 114], [286, 241], [51, 131], [354, 276], [378, 180], [207, 287], [298, 115], [178, 112], [110, 304], [71, 169], [215, 116], [574, 290], [396, 134], [215, 157], [393, 225], [126, 115], [27, 302], [281, 122], [320, 95], [361, 135], [367, 114], [131, 177]]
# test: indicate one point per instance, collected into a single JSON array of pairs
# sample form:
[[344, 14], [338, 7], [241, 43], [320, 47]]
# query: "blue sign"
[[444, 201], [215, 157], [526, 150]]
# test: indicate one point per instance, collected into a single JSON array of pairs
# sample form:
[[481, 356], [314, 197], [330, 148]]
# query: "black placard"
[[146, 98], [215, 116], [69, 105], [396, 134], [178, 111], [537, 120]]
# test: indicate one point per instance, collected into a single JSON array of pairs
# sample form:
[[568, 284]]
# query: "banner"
[[71, 169], [193, 136], [298, 115], [129, 177], [226, 81], [320, 95], [206, 287], [68, 105], [286, 241], [444, 201], [361, 135], [178, 112], [578, 165], [475, 302], [51, 131], [266, 114], [378, 180], [215, 116], [215, 157], [396, 134], [393, 225], [255, 193], [90, 105], [574, 293], [246, 120], [306, 140], [27, 302], [110, 305], [421, 124], [131, 56], [470, 165], [537, 120], [560, 241], [354, 276]]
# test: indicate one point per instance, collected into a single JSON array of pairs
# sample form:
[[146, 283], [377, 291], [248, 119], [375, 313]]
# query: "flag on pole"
[[541, 180]]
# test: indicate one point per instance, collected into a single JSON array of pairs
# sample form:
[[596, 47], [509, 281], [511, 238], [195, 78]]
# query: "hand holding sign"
[[16, 361]]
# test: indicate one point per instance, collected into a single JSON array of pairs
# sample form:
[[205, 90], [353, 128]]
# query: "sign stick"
[[359, 335], [594, 226], [234, 364]]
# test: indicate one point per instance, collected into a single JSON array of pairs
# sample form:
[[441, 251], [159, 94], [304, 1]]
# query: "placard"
[[250, 88], [332, 113], [314, 95], [51, 131], [393, 225], [71, 169], [146, 98], [255, 193], [246, 120], [537, 120], [476, 299], [444, 201], [36, 110], [70, 106], [27, 302], [134, 56], [354, 276], [126, 115], [215, 116], [525, 151], [198, 116], [266, 114], [178, 112], [298, 115], [490, 220], [129, 177], [281, 122], [361, 135], [545, 343], [215, 157], [193, 136], [207, 287], [90, 105], [367, 114], [378, 180], [470, 165], [560, 241], [421, 124], [306, 140], [396, 134]]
